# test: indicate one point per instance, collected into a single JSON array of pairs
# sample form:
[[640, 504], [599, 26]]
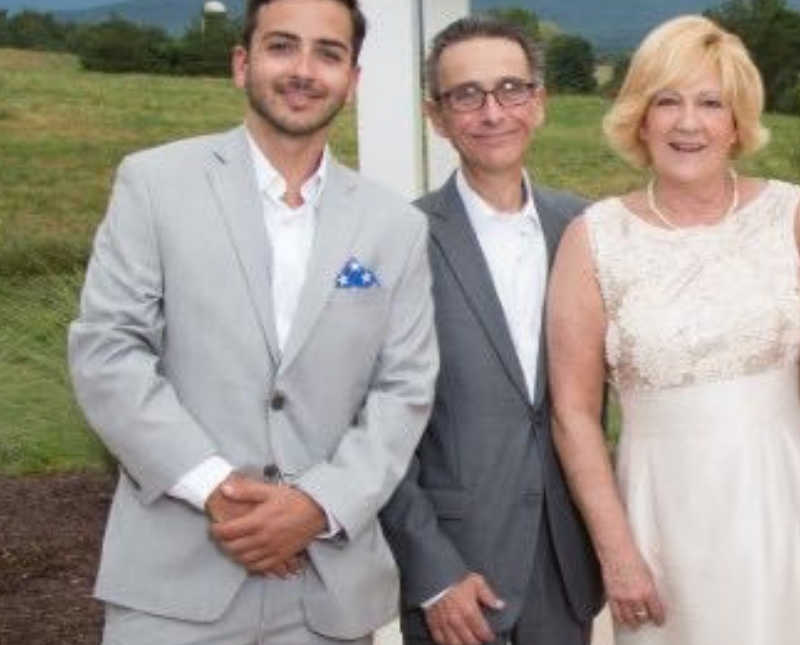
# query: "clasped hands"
[[265, 527]]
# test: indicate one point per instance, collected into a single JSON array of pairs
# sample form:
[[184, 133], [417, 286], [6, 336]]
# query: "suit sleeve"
[[373, 455], [428, 560], [115, 343]]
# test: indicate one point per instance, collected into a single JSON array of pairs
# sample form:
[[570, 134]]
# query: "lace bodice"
[[698, 304]]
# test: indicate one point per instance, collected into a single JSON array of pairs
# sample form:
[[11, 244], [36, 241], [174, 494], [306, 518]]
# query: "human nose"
[[491, 110], [304, 64], [688, 117]]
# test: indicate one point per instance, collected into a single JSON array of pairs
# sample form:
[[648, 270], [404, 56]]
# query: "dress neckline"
[[696, 228]]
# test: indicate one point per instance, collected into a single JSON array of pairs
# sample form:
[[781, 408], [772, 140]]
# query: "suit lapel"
[[338, 220], [451, 230], [550, 228], [233, 182]]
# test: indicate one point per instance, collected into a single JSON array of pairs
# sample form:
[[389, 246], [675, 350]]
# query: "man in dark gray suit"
[[489, 545]]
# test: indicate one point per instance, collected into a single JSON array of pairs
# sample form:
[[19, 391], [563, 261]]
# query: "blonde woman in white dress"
[[685, 296]]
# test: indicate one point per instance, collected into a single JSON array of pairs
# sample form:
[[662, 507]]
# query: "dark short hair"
[[481, 26], [357, 19]]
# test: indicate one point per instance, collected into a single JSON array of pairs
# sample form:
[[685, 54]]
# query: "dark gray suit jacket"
[[485, 473]]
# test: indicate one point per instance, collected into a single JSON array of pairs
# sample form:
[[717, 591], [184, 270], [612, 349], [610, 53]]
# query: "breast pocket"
[[353, 297]]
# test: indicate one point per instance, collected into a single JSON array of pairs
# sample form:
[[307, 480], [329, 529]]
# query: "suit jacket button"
[[278, 401], [271, 472]]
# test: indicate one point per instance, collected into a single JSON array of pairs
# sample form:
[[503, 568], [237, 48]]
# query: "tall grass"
[[41, 427], [64, 130]]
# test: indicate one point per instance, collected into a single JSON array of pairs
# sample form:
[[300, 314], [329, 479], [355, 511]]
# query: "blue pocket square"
[[355, 276]]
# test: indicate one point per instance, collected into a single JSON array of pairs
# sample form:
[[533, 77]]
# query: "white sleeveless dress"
[[702, 347]]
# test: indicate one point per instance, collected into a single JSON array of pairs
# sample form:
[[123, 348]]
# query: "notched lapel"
[[452, 231], [338, 220], [233, 181]]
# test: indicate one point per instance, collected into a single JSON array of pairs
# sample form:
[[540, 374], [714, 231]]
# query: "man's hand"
[[457, 617], [272, 536], [220, 508]]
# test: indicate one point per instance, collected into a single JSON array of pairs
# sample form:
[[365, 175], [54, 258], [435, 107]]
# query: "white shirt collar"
[[482, 214], [270, 182]]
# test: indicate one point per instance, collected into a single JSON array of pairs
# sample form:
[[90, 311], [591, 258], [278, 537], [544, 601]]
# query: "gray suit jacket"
[[485, 473], [174, 358]]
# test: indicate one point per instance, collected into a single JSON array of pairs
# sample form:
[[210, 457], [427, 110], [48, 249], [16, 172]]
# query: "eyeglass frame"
[[444, 97]]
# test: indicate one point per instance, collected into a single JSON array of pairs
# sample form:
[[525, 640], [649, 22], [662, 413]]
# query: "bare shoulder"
[[574, 249]]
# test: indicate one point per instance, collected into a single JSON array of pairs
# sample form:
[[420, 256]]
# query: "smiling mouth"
[[296, 99], [687, 147], [299, 90], [490, 136]]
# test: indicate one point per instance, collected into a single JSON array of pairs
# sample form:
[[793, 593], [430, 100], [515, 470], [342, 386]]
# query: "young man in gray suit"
[[255, 345], [489, 546]]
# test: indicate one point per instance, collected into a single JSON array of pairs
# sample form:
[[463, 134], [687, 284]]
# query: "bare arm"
[[576, 328], [797, 228]]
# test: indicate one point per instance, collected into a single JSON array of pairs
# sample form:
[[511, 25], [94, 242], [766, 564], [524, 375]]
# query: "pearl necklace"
[[651, 201]]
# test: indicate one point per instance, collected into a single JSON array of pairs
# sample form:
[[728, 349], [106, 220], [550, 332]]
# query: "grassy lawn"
[[41, 427], [62, 133]]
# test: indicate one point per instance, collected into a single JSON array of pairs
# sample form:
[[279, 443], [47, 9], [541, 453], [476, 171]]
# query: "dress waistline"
[[746, 403]]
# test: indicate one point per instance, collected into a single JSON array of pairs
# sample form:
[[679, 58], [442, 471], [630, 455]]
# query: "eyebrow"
[[330, 42], [496, 83], [327, 42]]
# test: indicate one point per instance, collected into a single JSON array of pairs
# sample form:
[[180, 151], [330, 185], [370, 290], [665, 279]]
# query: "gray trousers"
[[546, 618], [265, 611]]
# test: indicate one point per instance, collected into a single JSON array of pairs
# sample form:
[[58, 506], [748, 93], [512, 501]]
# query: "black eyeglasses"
[[471, 96]]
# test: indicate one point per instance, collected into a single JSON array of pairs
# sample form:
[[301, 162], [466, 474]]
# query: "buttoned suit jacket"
[[485, 473], [174, 358]]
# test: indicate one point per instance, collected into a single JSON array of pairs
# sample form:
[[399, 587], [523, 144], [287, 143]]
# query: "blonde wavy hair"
[[676, 51]]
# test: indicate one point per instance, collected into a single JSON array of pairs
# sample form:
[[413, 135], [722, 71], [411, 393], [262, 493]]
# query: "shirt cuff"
[[430, 602], [197, 485], [334, 528]]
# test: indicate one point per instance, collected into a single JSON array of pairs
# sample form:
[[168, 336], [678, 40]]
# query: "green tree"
[[570, 65], [771, 31], [118, 45], [528, 20], [34, 30], [205, 48], [618, 71], [5, 37]]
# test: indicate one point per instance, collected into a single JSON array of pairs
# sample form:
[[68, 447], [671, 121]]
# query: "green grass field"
[[62, 133]]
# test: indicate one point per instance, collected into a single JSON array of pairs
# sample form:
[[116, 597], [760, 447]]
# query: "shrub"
[[206, 50], [118, 45], [570, 65], [33, 30]]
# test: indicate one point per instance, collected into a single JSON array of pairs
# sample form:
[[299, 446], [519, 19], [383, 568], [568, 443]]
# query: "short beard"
[[285, 126]]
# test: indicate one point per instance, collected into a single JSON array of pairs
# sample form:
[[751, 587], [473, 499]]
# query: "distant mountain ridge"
[[611, 26], [49, 5], [173, 15]]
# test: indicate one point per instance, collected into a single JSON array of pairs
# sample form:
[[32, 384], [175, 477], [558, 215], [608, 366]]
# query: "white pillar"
[[441, 156], [389, 115], [390, 119]]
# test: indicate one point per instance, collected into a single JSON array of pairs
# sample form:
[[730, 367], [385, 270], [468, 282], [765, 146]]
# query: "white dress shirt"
[[514, 248], [290, 232]]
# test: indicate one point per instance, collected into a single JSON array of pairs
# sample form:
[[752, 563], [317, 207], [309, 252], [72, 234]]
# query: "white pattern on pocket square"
[[356, 276]]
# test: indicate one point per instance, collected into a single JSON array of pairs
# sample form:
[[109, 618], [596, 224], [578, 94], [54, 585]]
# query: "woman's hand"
[[631, 591]]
